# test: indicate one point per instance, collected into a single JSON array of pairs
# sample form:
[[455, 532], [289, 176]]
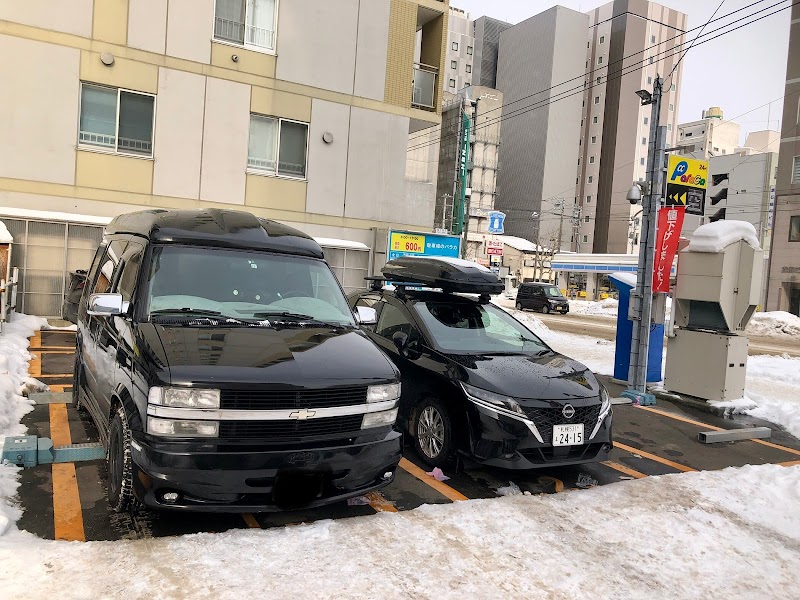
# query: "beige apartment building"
[[710, 136], [295, 110]]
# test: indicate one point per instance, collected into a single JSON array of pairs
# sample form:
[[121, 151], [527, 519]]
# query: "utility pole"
[[471, 155], [560, 226], [642, 298]]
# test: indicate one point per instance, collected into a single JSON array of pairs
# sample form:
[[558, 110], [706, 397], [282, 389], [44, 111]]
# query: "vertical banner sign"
[[458, 225], [670, 222], [687, 182]]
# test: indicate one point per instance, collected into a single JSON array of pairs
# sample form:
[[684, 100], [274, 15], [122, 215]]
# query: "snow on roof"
[[519, 243], [334, 243], [715, 237], [461, 262], [5, 237], [625, 278], [47, 215]]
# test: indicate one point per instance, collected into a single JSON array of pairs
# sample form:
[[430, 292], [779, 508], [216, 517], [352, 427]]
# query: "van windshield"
[[465, 328], [552, 291], [243, 284]]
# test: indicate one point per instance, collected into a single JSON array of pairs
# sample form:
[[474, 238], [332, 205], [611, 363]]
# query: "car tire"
[[76, 387], [120, 464], [433, 433], [546, 309], [519, 306]]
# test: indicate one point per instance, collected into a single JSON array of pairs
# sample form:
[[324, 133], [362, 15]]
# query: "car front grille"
[[289, 399], [545, 418], [291, 431], [543, 455]]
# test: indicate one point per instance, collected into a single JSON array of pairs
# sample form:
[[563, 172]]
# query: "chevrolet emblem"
[[302, 415]]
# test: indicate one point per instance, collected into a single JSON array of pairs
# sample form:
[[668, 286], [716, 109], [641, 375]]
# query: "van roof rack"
[[449, 274]]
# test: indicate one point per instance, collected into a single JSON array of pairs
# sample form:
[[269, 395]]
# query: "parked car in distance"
[[476, 380], [544, 297], [224, 370], [69, 310]]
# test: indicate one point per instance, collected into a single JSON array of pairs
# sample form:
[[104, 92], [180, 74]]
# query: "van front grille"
[[291, 431], [288, 399]]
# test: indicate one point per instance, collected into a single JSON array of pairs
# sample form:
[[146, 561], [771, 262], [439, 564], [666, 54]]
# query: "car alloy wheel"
[[430, 432]]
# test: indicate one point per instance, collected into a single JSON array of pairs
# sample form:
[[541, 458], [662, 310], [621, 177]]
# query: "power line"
[[694, 40], [606, 67], [582, 88]]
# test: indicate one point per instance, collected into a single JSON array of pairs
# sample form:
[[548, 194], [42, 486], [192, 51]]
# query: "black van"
[[544, 297], [225, 371]]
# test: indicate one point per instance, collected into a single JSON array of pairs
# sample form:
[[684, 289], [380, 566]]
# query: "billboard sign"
[[414, 243], [496, 222], [494, 247], [687, 181]]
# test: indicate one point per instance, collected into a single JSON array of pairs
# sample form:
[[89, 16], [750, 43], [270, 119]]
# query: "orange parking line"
[[379, 503], [623, 469], [59, 425], [251, 521], [559, 485], [713, 428], [663, 461], [35, 365], [67, 513], [791, 463], [439, 486]]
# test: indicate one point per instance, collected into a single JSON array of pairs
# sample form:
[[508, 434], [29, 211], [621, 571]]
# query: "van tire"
[[519, 305], [120, 464], [546, 309], [433, 433], [77, 404]]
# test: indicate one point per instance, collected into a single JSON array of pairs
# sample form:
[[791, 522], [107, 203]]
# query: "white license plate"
[[568, 435]]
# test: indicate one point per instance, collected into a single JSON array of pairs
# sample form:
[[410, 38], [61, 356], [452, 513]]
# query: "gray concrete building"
[[710, 136], [459, 58], [487, 41], [783, 292], [538, 63], [642, 38]]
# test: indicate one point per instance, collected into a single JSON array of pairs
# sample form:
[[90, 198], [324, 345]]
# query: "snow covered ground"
[[730, 533]]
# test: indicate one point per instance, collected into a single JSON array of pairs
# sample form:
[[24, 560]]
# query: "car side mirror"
[[106, 305], [400, 339], [366, 315]]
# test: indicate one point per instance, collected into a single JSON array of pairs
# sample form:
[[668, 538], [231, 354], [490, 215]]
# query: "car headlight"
[[494, 399], [379, 419], [383, 393], [605, 400], [183, 397], [182, 427]]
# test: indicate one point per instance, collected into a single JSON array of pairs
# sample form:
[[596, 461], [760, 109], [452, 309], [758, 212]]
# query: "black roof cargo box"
[[449, 274]]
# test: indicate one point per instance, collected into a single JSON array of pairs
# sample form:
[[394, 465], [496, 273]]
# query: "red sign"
[[497, 251], [494, 247], [670, 223]]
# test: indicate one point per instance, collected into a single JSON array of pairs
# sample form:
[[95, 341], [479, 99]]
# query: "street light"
[[647, 97]]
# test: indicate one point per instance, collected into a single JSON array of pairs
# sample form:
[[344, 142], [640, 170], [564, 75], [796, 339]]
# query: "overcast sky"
[[737, 72]]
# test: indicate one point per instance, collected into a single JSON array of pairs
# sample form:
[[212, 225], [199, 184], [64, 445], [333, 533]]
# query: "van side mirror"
[[366, 315], [105, 305], [400, 339], [406, 346]]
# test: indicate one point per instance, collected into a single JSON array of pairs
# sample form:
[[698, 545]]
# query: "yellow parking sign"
[[687, 180]]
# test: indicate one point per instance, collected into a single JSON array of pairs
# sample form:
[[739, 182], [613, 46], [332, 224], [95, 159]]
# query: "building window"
[[594, 139], [599, 60], [644, 141], [588, 199], [672, 88], [669, 126], [649, 80], [597, 99], [795, 170], [641, 161], [794, 228], [454, 64], [469, 50], [671, 107], [469, 68], [646, 120], [689, 133], [587, 219], [116, 120], [591, 178], [602, 39], [652, 39], [455, 46], [585, 239], [591, 160], [452, 83], [579, 161], [650, 60], [467, 83], [246, 22], [277, 146], [594, 119], [599, 79], [581, 122]]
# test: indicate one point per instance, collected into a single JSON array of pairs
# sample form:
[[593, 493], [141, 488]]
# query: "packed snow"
[[715, 237], [5, 236], [604, 308], [779, 324], [734, 532]]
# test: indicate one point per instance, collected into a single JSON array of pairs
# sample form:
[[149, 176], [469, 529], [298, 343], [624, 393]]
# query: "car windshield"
[[552, 291], [243, 285], [465, 327]]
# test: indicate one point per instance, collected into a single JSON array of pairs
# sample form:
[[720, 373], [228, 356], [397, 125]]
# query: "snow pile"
[[774, 324], [604, 308], [714, 237], [14, 357], [5, 236], [675, 536]]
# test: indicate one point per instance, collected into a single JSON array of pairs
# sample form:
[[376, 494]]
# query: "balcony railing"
[[241, 33], [424, 86]]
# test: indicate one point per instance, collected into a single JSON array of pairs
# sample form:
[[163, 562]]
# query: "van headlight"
[[379, 419], [183, 397], [182, 427], [498, 400], [383, 393]]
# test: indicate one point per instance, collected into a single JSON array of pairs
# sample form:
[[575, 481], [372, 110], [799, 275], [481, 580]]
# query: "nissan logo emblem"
[[568, 411]]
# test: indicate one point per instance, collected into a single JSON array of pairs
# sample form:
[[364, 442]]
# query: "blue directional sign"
[[496, 221]]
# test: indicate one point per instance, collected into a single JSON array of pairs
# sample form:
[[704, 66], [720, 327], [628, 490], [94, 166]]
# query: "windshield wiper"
[[285, 314], [186, 311]]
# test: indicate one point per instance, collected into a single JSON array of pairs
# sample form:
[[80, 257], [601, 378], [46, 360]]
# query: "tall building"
[[460, 52], [764, 141], [710, 136], [538, 63], [487, 41], [299, 111], [783, 291], [630, 43]]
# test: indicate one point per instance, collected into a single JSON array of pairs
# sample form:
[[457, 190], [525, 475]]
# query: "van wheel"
[[546, 309], [433, 433], [76, 387], [120, 464], [519, 306]]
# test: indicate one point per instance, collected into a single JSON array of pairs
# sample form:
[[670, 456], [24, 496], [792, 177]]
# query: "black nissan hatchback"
[[224, 370], [477, 381]]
